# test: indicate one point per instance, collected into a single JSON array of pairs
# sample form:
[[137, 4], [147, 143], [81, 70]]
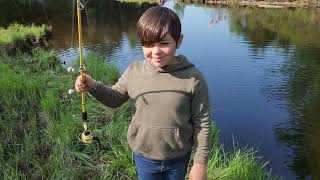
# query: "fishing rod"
[[86, 136]]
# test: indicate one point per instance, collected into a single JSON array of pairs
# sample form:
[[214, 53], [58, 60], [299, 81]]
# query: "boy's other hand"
[[198, 172], [86, 84]]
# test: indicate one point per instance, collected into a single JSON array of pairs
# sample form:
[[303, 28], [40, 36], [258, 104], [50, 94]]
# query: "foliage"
[[99, 69], [16, 32]]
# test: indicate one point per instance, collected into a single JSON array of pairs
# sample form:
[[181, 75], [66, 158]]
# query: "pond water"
[[262, 67]]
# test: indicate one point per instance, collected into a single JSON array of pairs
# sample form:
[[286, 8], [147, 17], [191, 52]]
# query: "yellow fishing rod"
[[86, 136]]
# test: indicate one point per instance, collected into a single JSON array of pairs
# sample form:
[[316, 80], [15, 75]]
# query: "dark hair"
[[155, 23]]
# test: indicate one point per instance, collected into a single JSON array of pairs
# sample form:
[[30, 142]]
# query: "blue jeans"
[[174, 169]]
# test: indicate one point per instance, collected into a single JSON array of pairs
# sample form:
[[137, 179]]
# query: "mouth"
[[157, 59]]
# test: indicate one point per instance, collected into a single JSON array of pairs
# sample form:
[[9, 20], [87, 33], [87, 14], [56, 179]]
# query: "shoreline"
[[260, 4]]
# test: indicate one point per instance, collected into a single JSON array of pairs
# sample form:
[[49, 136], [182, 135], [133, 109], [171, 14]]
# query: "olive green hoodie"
[[170, 107]]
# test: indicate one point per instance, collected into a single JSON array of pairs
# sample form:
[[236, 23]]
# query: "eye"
[[164, 43]]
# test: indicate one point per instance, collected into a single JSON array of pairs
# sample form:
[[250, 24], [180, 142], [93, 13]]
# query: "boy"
[[170, 102]]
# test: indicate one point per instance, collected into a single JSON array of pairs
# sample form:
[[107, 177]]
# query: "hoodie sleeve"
[[113, 96], [201, 121]]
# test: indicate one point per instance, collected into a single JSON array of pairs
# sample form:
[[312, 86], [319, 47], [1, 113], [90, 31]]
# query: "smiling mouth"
[[157, 57]]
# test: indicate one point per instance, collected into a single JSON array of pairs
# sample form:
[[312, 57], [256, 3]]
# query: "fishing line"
[[45, 13]]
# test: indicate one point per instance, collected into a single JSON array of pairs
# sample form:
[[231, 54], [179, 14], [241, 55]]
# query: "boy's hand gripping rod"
[[86, 136]]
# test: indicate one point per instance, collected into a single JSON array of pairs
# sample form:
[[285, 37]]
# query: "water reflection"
[[179, 9], [107, 25], [32, 11], [217, 16], [298, 86]]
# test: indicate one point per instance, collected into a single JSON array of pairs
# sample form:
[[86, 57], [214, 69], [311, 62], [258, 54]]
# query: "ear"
[[180, 40]]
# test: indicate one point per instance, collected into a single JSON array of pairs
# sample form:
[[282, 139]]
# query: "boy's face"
[[162, 53]]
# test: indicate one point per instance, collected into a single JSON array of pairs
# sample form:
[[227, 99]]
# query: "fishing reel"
[[87, 137]]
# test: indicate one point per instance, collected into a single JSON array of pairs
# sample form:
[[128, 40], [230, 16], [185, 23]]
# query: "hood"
[[182, 63]]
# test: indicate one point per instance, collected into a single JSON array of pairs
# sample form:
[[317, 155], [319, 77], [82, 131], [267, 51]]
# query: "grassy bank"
[[273, 4], [269, 4], [40, 123], [23, 38], [17, 32]]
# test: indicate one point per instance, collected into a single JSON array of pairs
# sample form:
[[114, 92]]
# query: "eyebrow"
[[165, 39]]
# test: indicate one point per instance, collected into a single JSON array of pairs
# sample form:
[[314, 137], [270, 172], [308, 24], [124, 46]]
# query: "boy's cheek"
[[146, 54]]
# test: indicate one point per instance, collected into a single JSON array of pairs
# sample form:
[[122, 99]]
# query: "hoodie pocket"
[[157, 141]]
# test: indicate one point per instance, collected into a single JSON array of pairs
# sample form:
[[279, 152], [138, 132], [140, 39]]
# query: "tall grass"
[[17, 32], [18, 38], [99, 69], [40, 123], [19, 94], [38, 61]]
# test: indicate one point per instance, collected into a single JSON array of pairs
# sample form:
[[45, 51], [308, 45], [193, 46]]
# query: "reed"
[[23, 38], [16, 32]]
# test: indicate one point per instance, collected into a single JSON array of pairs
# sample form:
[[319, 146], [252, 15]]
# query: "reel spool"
[[86, 137]]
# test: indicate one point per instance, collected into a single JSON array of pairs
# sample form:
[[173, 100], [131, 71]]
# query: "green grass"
[[16, 32], [17, 38], [99, 69], [40, 123], [38, 61], [241, 164]]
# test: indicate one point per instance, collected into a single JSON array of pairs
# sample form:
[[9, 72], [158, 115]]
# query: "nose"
[[156, 50]]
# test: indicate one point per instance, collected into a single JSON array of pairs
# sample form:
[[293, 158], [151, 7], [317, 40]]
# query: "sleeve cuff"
[[93, 91], [201, 159]]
